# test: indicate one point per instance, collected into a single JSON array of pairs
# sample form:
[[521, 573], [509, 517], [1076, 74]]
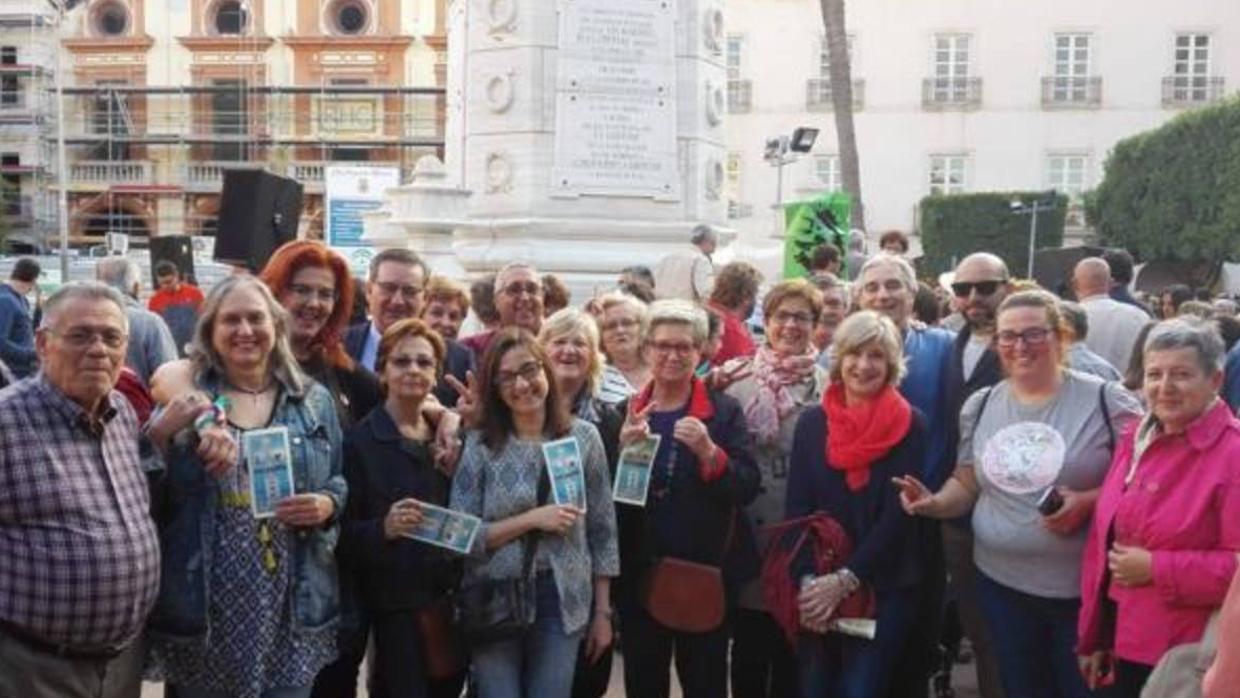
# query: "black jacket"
[[356, 390], [457, 360], [987, 373], [383, 467], [691, 521]]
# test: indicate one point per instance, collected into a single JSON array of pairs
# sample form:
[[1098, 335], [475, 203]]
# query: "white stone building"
[[963, 95]]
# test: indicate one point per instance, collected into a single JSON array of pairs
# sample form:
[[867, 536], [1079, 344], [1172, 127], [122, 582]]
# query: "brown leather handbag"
[[687, 596], [443, 651]]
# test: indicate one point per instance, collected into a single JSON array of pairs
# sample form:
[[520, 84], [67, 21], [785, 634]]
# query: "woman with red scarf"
[[844, 455], [778, 383]]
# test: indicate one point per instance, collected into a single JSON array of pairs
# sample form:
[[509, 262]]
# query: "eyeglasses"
[[518, 288], [784, 318], [84, 338], [529, 372], [404, 362], [963, 289], [679, 348], [389, 288], [620, 324], [1032, 337], [309, 293]]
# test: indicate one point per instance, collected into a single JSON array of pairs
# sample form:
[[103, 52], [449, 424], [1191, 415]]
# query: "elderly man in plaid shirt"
[[79, 556]]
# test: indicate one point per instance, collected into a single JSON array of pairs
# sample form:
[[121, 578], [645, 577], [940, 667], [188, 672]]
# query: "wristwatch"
[[851, 583]]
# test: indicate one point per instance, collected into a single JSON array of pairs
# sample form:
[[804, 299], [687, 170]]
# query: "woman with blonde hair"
[[622, 322], [844, 455]]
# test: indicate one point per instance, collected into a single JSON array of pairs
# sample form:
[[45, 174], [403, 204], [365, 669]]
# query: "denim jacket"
[[186, 505]]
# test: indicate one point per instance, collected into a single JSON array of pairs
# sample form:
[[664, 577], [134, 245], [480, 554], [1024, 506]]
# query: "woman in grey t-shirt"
[[1034, 450]]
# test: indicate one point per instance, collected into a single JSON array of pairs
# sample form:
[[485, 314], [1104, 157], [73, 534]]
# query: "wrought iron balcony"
[[740, 96], [1072, 92], [1191, 90], [951, 93], [818, 95]]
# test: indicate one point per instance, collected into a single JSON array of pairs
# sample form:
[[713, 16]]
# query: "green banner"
[[808, 224]]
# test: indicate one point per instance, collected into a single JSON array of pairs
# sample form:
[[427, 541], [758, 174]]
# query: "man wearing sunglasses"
[[981, 282], [1114, 326]]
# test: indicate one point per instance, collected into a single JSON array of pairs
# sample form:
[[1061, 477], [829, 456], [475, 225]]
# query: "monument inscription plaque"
[[615, 102]]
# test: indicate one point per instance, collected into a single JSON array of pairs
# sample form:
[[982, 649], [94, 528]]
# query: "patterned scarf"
[[858, 435], [771, 402]]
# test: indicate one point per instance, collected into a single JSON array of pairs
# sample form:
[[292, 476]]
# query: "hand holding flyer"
[[447, 529], [633, 471], [568, 479], [270, 468]]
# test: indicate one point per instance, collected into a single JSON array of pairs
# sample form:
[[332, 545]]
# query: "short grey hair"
[[81, 290], [679, 312], [1190, 333], [121, 273], [1076, 319], [702, 233], [514, 266], [904, 270]]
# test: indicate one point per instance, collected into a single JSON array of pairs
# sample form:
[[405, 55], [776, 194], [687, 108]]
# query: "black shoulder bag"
[[490, 610]]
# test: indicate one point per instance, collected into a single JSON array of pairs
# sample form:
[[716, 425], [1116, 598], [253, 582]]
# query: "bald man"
[[1114, 326]]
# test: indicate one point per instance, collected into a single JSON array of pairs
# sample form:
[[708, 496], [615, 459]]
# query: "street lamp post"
[[1043, 204], [62, 174], [781, 151]]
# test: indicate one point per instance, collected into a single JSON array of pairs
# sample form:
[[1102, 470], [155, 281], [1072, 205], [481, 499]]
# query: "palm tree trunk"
[[842, 103]]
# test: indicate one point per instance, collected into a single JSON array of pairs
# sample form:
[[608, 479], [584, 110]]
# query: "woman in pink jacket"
[[1162, 550]]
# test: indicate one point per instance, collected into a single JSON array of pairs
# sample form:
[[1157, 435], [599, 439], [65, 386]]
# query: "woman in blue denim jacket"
[[247, 604], [575, 551]]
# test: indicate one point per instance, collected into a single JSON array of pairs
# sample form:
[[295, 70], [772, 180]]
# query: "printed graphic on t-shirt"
[[1024, 458]]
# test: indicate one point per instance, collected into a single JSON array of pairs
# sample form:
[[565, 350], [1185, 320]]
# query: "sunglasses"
[[963, 289]]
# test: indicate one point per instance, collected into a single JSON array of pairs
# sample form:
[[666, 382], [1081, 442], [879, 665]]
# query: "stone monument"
[[582, 135]]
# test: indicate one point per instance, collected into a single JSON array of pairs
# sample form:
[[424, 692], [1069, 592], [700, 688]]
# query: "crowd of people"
[[844, 476]]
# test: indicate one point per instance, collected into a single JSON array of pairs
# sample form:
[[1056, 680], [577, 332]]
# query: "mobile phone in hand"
[[1050, 501]]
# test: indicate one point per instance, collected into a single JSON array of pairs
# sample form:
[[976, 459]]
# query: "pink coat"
[[1184, 506]]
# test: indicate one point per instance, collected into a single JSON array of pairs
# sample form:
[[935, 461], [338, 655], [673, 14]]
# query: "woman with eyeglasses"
[[570, 338], [779, 382], [702, 476], [392, 475], [569, 549], [623, 324], [1034, 450]]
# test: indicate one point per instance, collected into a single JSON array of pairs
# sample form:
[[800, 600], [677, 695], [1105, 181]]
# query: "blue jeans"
[[843, 666], [538, 665], [289, 692], [1034, 641]]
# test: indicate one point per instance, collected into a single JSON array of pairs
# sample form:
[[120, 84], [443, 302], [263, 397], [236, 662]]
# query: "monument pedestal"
[[583, 136]]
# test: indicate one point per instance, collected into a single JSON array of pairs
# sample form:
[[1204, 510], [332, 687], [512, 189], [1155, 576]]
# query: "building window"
[[348, 17], [818, 95], [951, 66], [1068, 173], [735, 56], [8, 55], [732, 173], [1072, 64], [740, 91], [947, 174], [827, 172], [110, 18], [1190, 81], [230, 18]]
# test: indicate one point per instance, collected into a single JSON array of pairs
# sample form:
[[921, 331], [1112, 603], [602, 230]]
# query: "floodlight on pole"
[[1043, 204]]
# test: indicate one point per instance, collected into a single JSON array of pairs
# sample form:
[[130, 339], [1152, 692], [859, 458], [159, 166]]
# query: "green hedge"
[[1174, 192], [957, 225]]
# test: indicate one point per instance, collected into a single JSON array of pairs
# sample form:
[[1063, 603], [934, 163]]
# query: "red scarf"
[[858, 435]]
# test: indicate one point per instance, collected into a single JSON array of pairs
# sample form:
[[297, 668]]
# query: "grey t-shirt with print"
[[1020, 450]]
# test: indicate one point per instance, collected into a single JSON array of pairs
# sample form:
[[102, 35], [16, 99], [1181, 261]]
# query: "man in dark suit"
[[395, 289], [980, 285]]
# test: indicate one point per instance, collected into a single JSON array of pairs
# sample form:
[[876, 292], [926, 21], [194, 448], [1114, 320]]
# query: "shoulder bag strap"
[[1106, 416], [529, 543]]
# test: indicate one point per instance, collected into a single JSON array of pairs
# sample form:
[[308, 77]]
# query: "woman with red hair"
[[313, 284]]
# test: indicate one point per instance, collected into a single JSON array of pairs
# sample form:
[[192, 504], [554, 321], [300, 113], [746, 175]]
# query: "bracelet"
[[607, 613], [850, 580], [211, 415]]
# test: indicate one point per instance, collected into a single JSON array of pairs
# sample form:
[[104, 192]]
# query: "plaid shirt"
[[79, 556]]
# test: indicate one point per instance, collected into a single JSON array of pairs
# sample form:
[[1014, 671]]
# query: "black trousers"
[[919, 658], [650, 648], [400, 667], [763, 663], [1130, 679]]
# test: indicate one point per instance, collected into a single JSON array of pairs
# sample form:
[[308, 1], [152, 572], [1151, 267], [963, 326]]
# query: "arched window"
[[230, 18], [110, 18]]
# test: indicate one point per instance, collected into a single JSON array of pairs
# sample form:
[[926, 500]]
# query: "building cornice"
[[133, 44], [346, 42], [227, 43]]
